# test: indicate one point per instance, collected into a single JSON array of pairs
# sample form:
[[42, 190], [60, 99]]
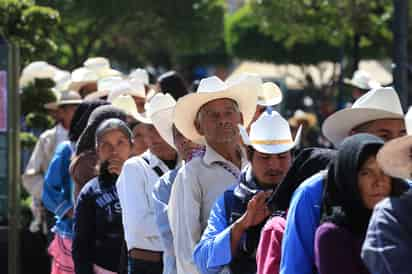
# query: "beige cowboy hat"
[[128, 105], [39, 70], [269, 95], [93, 69], [141, 75], [160, 110], [66, 97], [103, 87], [131, 87], [395, 157], [362, 79], [379, 103], [242, 90], [270, 133], [301, 115], [62, 79]]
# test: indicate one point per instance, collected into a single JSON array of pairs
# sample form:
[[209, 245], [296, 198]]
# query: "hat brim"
[[338, 125], [244, 94], [76, 86], [96, 95], [354, 84], [69, 102], [395, 157], [163, 122]]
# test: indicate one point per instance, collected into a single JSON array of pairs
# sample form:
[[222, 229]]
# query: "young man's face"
[[270, 169]]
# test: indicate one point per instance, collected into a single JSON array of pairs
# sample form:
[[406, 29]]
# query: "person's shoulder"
[[329, 230], [64, 147], [48, 133], [90, 188], [313, 183]]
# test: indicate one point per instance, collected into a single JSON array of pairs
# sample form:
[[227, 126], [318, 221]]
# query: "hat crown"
[[160, 102], [97, 63], [141, 75], [137, 85], [270, 127], [211, 84], [385, 99], [69, 95], [107, 83]]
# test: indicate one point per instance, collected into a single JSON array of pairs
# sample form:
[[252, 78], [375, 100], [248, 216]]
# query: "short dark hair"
[[172, 82]]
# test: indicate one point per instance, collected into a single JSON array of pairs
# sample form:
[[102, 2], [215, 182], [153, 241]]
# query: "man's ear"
[[198, 127]]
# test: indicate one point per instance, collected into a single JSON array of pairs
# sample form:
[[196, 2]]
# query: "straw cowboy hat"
[[361, 79], [269, 95], [93, 69], [301, 115], [160, 110], [271, 134], [395, 156], [103, 87], [140, 74], [379, 103], [242, 90], [130, 87], [67, 97], [39, 70], [127, 104], [62, 79]]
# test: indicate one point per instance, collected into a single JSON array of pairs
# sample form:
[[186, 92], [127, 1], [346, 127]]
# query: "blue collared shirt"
[[303, 218], [213, 252], [161, 195], [57, 190]]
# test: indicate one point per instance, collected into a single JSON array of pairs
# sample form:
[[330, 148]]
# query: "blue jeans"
[[136, 266]]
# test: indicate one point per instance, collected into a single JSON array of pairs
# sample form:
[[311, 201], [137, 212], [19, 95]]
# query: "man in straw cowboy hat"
[[135, 186], [208, 117], [378, 112], [33, 177], [163, 121], [388, 244], [234, 225]]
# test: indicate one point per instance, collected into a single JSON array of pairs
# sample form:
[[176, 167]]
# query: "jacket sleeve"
[[83, 238], [388, 245], [33, 176], [55, 197], [298, 241], [137, 215], [213, 251]]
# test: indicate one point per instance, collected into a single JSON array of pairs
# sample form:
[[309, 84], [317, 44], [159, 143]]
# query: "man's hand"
[[256, 211]]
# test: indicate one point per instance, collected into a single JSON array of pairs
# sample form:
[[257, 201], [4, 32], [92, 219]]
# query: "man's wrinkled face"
[[387, 129], [270, 169], [217, 121], [155, 142]]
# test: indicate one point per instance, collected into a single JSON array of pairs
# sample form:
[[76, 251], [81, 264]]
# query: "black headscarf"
[[80, 117], [343, 201], [307, 163], [87, 139]]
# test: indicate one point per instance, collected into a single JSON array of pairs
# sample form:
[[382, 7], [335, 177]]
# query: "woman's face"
[[139, 145], [373, 184], [115, 147]]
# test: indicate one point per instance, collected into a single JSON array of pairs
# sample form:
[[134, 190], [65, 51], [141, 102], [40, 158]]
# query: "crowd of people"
[[154, 178]]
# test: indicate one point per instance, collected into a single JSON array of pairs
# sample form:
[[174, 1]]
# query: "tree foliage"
[[29, 25]]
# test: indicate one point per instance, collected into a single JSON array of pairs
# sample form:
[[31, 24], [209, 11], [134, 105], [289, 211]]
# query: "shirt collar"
[[155, 161], [211, 156]]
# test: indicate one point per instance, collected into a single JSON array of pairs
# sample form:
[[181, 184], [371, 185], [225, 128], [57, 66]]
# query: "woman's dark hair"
[[173, 83], [81, 116]]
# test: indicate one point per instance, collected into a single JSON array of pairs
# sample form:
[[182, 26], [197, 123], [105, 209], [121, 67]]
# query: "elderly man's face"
[[270, 169], [387, 129], [156, 144], [217, 121]]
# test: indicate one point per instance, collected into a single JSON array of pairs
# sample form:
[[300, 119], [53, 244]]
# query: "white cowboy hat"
[[103, 87], [93, 69], [160, 110], [271, 134], [39, 70], [131, 87], [301, 115], [379, 103], [269, 95], [127, 104], [243, 91], [362, 79], [62, 79], [140, 74], [66, 97], [395, 156]]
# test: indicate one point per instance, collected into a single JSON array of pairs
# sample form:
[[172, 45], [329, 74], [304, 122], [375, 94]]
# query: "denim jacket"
[[58, 188]]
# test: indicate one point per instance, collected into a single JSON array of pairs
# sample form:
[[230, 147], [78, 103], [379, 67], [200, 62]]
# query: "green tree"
[[361, 26], [29, 25]]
